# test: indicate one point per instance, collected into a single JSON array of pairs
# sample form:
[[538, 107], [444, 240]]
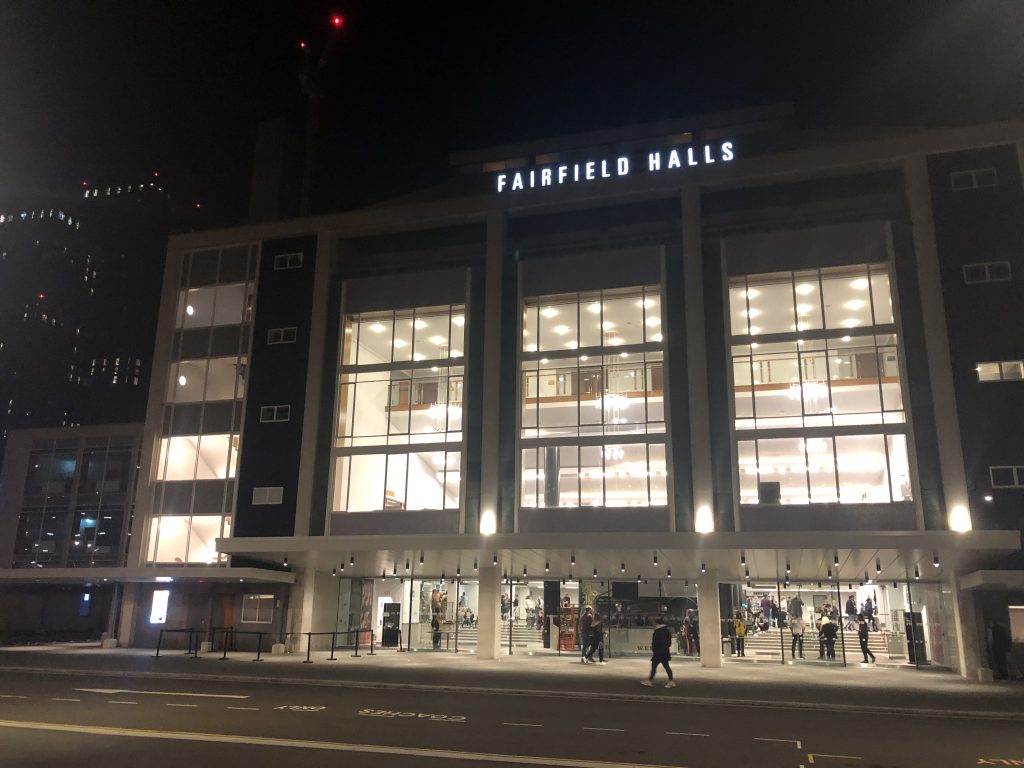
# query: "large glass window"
[[593, 400], [817, 352], [398, 443], [203, 404]]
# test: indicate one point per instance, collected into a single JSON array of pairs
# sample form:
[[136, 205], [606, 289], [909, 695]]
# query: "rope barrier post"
[[356, 654], [334, 642], [309, 647], [373, 639], [225, 656], [159, 642], [259, 646]]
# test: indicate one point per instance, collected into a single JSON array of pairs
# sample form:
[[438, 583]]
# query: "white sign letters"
[[596, 170]]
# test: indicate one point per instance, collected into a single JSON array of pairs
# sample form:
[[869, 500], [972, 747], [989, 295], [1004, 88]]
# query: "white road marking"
[[246, 709], [112, 691], [680, 733], [616, 730], [329, 746], [784, 741], [811, 756], [524, 725], [181, 705], [11, 696], [57, 698], [122, 702]]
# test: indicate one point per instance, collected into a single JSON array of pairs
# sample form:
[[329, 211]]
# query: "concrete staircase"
[[767, 644], [521, 636]]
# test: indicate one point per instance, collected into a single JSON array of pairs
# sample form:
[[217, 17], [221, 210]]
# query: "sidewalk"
[[854, 688]]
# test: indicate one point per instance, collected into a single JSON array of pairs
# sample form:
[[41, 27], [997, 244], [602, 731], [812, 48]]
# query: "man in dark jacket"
[[661, 652], [829, 631]]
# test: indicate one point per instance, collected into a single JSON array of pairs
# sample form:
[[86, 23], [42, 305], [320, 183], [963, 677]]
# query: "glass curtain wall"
[[205, 389], [592, 402], [818, 393], [398, 442]]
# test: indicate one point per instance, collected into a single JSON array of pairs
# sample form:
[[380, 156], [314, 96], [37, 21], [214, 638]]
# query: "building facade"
[[692, 365]]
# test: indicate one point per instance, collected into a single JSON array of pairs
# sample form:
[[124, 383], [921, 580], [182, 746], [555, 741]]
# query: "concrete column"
[[493, 343], [710, 610], [488, 621], [969, 633], [126, 626], [696, 364], [936, 338]]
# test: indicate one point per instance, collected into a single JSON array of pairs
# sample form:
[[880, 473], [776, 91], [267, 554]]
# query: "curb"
[[538, 693]]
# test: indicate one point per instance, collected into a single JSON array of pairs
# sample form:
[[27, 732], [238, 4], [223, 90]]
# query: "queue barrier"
[[229, 634]]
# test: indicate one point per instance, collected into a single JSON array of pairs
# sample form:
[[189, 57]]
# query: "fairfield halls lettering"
[[557, 175]]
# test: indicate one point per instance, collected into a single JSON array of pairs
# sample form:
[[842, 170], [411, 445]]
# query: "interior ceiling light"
[[594, 309], [861, 283], [804, 288], [378, 328], [549, 312], [459, 320]]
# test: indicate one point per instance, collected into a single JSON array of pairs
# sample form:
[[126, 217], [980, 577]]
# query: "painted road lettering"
[[1000, 761], [300, 708], [415, 715]]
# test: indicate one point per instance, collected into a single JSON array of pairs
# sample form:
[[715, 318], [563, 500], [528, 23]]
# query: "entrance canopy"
[[812, 556]]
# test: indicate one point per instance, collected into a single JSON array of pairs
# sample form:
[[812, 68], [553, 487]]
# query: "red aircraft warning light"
[[337, 21]]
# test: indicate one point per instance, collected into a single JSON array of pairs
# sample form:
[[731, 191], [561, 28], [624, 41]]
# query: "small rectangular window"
[[1004, 370], [977, 178], [288, 261], [258, 609], [987, 272], [267, 495], [271, 413], [282, 335], [1006, 477]]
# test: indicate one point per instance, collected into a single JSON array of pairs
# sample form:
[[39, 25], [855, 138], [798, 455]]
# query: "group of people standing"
[[511, 611], [591, 637], [791, 613]]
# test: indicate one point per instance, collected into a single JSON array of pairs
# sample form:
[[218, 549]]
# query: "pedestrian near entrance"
[[796, 607], [596, 640], [661, 652], [740, 625], [862, 635], [851, 612], [435, 628], [796, 626], [829, 631], [586, 624]]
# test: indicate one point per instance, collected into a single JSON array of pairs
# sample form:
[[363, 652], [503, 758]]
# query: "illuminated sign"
[[595, 170], [158, 610]]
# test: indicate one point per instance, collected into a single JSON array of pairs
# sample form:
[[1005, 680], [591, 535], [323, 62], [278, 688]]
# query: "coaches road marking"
[[329, 746]]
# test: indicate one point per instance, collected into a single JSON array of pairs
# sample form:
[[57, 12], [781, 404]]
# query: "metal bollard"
[[225, 656], [159, 642], [373, 639], [259, 646], [356, 654], [309, 647], [334, 642]]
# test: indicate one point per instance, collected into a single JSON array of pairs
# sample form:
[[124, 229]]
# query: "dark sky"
[[106, 90]]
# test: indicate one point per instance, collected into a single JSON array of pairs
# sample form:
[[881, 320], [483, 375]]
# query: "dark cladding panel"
[[276, 376], [827, 246]]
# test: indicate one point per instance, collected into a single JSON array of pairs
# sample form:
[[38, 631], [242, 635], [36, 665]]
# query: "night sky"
[[109, 90]]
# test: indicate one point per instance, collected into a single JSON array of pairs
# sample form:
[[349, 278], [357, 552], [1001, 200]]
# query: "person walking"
[[862, 635], [596, 641], [796, 607], [766, 612], [851, 612], [740, 627], [869, 615], [796, 626], [586, 625], [661, 652]]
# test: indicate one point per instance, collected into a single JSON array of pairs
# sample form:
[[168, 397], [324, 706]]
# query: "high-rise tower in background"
[[79, 283]]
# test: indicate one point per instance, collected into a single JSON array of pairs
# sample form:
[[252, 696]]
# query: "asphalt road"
[[107, 720]]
